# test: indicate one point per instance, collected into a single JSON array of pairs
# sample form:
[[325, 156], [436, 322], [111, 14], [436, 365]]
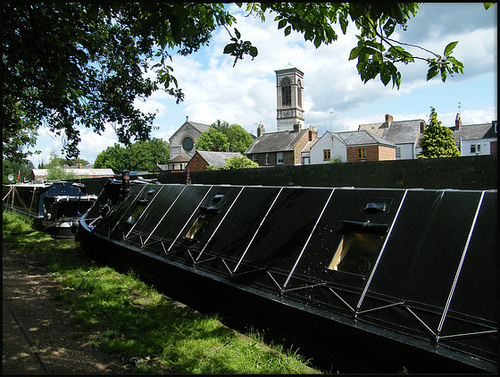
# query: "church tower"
[[289, 84]]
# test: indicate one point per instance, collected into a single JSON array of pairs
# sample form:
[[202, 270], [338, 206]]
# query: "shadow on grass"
[[131, 318]]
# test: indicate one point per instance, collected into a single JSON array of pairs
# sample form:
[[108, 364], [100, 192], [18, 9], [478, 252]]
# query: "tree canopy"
[[222, 137], [437, 140], [238, 162], [212, 140], [142, 156], [67, 65]]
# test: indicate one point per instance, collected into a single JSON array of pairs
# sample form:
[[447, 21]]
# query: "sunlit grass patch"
[[132, 319]]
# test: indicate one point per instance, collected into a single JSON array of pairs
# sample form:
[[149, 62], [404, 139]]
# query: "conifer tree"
[[438, 141]]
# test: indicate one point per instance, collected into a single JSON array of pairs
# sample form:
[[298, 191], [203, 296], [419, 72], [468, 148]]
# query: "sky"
[[335, 98]]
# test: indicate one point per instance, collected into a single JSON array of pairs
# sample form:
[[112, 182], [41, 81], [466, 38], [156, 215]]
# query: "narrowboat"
[[375, 280], [54, 207]]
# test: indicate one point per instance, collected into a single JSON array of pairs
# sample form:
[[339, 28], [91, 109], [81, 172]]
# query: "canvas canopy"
[[415, 266]]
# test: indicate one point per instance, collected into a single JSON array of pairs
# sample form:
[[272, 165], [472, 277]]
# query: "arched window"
[[299, 93], [286, 92]]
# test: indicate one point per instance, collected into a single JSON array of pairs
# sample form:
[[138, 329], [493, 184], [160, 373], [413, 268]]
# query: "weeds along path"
[[64, 314], [39, 336]]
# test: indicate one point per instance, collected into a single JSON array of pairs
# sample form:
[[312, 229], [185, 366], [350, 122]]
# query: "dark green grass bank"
[[132, 319]]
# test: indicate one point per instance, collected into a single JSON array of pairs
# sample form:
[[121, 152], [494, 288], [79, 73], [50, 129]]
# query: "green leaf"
[[488, 5], [238, 34], [432, 72], [229, 49], [449, 49], [282, 24], [253, 51]]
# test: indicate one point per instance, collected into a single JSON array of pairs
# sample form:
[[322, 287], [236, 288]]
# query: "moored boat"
[[54, 207], [387, 279]]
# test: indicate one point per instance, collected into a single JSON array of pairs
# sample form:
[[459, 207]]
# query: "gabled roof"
[[217, 158], [180, 158], [475, 132], [353, 138], [200, 127], [398, 132], [308, 146], [276, 142]]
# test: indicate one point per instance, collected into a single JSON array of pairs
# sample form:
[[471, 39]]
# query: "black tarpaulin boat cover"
[[417, 266]]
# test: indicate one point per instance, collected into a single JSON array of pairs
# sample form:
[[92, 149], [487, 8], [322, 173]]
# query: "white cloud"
[[334, 93]]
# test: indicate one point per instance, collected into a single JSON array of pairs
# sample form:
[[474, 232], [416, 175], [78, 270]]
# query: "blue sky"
[[334, 96]]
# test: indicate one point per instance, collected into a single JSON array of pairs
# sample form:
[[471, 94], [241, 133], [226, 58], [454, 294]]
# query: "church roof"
[[199, 126], [287, 67], [217, 158], [180, 158], [276, 142]]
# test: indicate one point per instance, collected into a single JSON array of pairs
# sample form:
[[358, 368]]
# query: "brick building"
[[202, 159], [351, 146], [280, 148]]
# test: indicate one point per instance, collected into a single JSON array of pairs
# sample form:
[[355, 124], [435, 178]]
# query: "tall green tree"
[[239, 139], [142, 155], [212, 140], [437, 140], [83, 64], [115, 157]]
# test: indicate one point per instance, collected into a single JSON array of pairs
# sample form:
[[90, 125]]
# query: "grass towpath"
[[132, 319]]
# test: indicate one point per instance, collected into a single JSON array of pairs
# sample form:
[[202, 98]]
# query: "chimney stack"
[[260, 130], [458, 122], [422, 126], [313, 133], [388, 119]]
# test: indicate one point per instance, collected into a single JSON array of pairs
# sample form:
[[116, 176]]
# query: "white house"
[[328, 147], [404, 134], [351, 146], [475, 139]]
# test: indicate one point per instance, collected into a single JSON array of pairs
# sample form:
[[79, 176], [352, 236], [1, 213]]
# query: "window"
[[299, 93], [267, 158], [279, 158], [187, 144], [475, 148], [357, 252], [286, 92], [254, 158], [326, 154], [398, 152], [306, 160], [361, 153]]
